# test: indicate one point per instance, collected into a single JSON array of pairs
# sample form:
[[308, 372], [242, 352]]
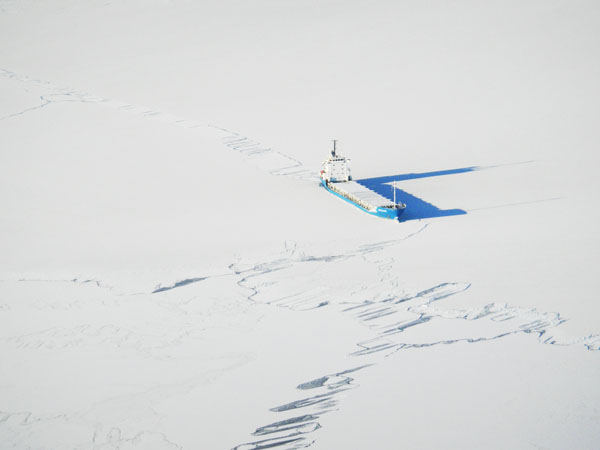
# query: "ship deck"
[[363, 193]]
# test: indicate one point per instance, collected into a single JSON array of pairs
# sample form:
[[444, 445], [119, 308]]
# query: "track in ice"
[[264, 157], [292, 432], [396, 318], [391, 313]]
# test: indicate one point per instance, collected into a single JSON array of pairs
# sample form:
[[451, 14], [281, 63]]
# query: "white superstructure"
[[336, 168]]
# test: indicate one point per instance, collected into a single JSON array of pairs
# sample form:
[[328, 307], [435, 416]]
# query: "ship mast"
[[333, 151], [394, 189]]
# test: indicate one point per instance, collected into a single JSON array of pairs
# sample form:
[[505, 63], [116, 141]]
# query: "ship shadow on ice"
[[416, 208]]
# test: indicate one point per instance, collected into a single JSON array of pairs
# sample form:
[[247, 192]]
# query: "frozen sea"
[[172, 276]]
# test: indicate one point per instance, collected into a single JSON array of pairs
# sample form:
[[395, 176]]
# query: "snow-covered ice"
[[172, 276]]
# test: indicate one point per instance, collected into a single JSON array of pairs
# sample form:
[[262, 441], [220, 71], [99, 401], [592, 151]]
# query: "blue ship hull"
[[386, 213]]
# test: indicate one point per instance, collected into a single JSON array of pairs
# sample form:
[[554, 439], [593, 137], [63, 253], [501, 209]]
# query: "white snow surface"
[[172, 276]]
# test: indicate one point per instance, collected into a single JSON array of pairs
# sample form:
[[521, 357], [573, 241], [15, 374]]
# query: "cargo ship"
[[336, 177]]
